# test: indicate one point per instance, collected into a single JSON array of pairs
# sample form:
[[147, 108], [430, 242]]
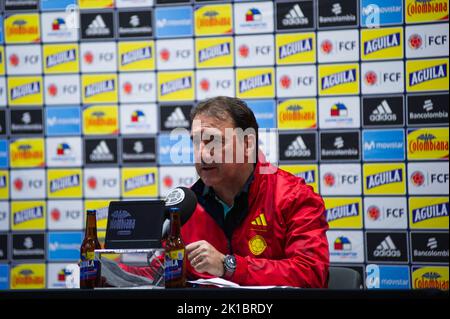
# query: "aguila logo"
[[373, 212], [326, 47], [370, 78], [415, 41], [417, 178]]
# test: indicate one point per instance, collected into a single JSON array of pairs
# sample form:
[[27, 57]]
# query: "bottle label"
[[90, 255], [89, 269], [174, 264]]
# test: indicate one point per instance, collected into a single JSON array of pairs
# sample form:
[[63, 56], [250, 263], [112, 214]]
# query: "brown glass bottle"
[[175, 254], [90, 271]]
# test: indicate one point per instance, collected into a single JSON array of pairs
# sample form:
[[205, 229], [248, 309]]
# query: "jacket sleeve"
[[306, 251]]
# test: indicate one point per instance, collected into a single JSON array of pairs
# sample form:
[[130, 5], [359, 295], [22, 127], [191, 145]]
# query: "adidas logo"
[[297, 148], [101, 153], [339, 142], [295, 17], [428, 105], [176, 119], [260, 220], [98, 27], [432, 243], [387, 248], [383, 112], [336, 9]]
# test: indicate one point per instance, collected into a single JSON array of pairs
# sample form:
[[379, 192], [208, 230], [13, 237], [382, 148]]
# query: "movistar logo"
[[255, 82], [384, 178], [428, 74], [296, 47], [136, 55], [430, 212], [340, 78], [61, 57], [385, 42], [214, 52]]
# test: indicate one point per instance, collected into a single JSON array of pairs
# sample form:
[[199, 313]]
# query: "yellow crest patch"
[[257, 245]]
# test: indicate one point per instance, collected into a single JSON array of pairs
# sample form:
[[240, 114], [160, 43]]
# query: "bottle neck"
[[175, 224], [91, 225]]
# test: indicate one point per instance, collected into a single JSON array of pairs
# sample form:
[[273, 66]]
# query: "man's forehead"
[[208, 123]]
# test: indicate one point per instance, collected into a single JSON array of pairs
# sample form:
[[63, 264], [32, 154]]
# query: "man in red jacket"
[[254, 224]]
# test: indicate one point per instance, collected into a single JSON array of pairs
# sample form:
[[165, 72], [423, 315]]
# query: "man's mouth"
[[208, 168]]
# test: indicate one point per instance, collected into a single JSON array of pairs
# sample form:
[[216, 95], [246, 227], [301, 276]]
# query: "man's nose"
[[207, 153]]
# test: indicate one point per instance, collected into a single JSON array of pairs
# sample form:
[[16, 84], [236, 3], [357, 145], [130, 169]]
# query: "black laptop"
[[134, 224]]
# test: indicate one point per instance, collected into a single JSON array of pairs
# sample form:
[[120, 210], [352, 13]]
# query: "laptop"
[[134, 224]]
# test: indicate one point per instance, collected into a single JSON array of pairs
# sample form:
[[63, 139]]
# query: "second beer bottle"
[[175, 254]]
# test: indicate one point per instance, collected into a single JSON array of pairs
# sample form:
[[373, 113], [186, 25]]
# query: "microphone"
[[185, 200]]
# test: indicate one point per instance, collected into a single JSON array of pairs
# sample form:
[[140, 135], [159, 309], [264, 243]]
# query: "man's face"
[[215, 150]]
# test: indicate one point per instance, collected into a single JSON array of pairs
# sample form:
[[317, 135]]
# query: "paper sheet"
[[220, 282]]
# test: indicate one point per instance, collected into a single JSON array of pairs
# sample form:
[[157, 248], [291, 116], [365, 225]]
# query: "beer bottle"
[[175, 254], [90, 272]]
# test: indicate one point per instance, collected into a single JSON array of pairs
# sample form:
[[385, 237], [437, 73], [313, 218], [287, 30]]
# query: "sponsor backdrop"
[[352, 96]]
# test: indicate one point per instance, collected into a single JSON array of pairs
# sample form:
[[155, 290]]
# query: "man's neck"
[[227, 193]]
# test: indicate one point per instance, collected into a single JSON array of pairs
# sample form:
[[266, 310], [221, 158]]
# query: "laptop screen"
[[134, 224]]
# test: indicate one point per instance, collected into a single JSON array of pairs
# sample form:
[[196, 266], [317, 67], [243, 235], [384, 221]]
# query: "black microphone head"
[[184, 199]]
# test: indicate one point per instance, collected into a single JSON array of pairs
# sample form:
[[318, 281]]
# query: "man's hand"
[[205, 258]]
